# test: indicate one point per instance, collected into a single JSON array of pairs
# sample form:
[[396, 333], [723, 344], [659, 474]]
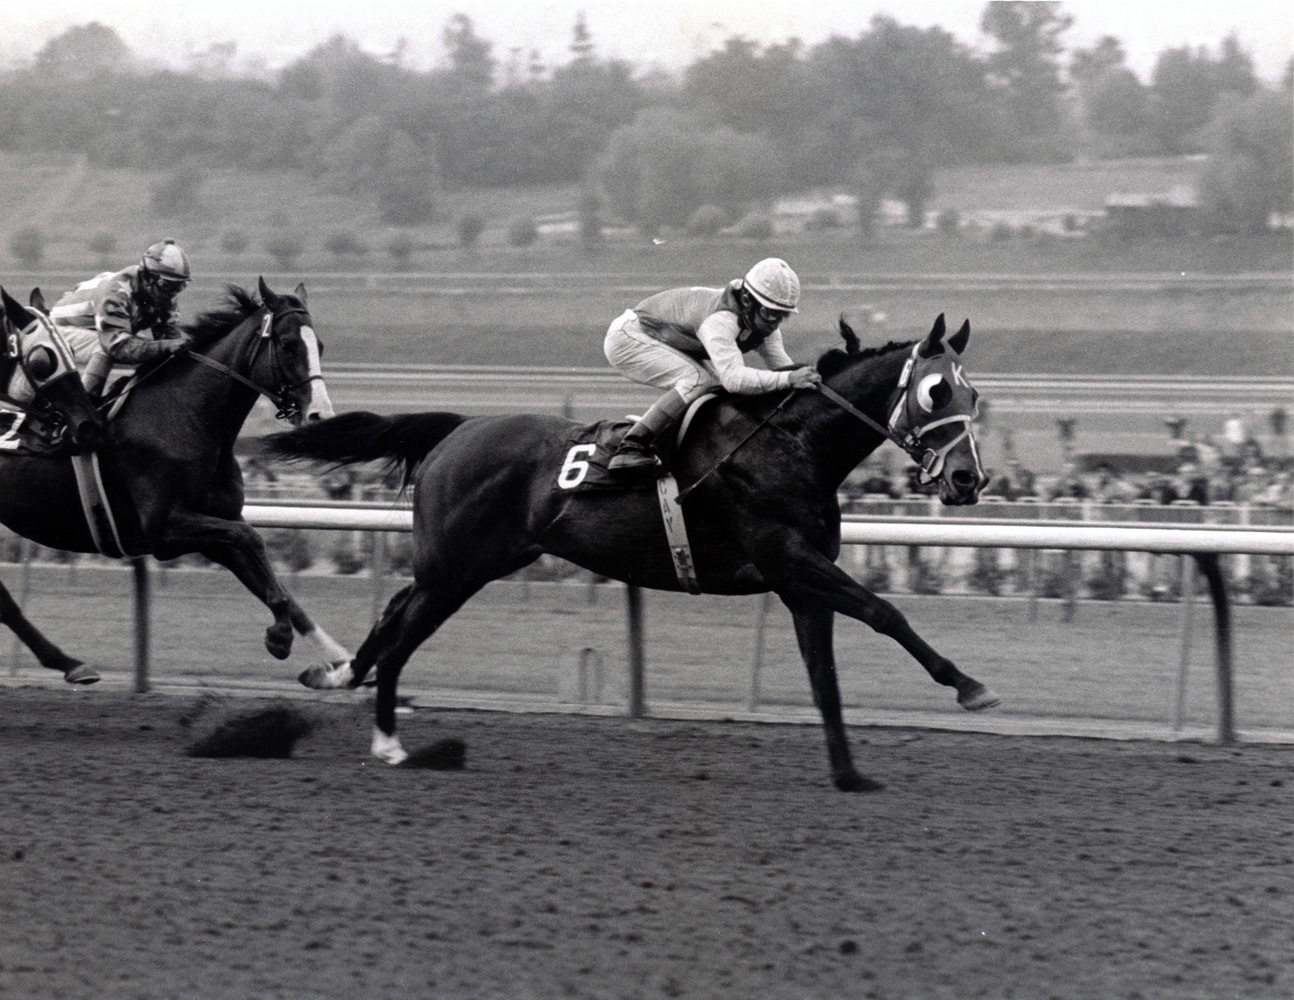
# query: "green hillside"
[[558, 297]]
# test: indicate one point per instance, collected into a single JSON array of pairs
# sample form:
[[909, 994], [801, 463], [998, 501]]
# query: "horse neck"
[[838, 439], [216, 402]]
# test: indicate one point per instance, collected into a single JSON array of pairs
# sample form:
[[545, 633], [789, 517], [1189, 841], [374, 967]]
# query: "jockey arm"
[[116, 321], [719, 336]]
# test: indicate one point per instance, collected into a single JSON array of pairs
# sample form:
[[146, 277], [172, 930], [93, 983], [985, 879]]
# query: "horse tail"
[[401, 441]]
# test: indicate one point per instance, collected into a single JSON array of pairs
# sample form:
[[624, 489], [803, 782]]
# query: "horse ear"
[[11, 308], [267, 296], [37, 300], [958, 340], [848, 335], [300, 292], [931, 343]]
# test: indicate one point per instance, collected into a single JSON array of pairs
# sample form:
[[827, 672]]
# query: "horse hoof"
[[387, 748], [977, 699], [81, 674], [855, 782], [278, 641], [321, 678]]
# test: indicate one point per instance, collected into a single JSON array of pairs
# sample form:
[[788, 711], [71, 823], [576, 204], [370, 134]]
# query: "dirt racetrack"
[[591, 857]]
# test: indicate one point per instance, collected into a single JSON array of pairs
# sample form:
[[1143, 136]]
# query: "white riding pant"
[[646, 360]]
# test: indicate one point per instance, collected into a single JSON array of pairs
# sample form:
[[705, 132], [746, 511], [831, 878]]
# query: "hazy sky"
[[663, 33]]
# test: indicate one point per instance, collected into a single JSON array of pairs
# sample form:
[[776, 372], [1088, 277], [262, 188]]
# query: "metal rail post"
[[1211, 567], [143, 614], [1188, 607], [637, 658]]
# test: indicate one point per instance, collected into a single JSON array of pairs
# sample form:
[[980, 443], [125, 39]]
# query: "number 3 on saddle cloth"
[[584, 468]]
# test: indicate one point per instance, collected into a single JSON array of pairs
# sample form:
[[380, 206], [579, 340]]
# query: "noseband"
[[281, 396], [930, 460]]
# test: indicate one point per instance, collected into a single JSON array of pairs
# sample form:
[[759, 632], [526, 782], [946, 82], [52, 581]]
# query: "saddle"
[[589, 448]]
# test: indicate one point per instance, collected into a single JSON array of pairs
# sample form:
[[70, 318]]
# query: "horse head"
[[931, 409], [934, 413], [294, 366], [50, 368]]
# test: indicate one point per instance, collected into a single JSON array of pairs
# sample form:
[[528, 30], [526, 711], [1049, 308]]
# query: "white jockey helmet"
[[774, 284], [167, 261]]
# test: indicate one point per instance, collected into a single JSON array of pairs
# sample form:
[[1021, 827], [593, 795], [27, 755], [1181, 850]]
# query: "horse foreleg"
[[47, 654], [236, 546], [813, 630], [805, 578]]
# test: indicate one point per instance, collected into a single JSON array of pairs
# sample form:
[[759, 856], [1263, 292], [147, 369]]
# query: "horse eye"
[[933, 393]]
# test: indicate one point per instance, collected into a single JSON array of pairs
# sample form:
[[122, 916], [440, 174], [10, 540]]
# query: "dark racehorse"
[[168, 466], [760, 478]]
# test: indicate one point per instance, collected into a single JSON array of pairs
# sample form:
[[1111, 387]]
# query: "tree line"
[[880, 113]]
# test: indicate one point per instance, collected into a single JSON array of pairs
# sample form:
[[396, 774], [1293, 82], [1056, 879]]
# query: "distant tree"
[[706, 221], [1250, 173], [470, 64], [84, 51], [522, 231], [470, 228], [1115, 103], [667, 163], [581, 40], [895, 86], [590, 218], [401, 248], [406, 184], [344, 243], [28, 246], [1186, 86], [1026, 62]]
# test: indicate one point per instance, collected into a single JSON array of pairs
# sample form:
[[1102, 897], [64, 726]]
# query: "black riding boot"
[[635, 455]]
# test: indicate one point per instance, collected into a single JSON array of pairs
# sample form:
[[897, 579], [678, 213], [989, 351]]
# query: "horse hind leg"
[[47, 654], [409, 620]]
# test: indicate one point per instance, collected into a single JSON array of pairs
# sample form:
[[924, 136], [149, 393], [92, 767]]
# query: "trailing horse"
[[166, 463], [759, 478]]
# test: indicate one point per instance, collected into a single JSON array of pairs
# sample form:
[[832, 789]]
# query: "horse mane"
[[836, 360], [215, 323]]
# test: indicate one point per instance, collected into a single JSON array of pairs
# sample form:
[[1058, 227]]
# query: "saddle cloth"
[[590, 446]]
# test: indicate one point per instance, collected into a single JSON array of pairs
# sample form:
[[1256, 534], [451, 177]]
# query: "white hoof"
[[979, 700], [322, 678], [387, 748]]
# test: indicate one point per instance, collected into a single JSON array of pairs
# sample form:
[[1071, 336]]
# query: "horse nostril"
[[964, 480], [312, 417]]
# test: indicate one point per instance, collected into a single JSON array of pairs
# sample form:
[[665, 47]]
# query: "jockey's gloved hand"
[[805, 378], [178, 344]]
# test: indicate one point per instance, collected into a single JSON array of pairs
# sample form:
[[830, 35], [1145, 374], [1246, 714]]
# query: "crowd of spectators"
[[1204, 469]]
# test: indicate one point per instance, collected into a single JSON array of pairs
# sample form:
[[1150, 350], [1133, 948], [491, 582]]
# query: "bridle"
[[930, 460], [282, 395], [902, 427]]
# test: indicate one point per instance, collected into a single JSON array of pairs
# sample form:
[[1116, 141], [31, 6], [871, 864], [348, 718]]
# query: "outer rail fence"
[[1203, 542]]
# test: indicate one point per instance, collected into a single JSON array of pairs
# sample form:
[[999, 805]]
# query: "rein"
[[735, 448], [280, 397], [930, 460]]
